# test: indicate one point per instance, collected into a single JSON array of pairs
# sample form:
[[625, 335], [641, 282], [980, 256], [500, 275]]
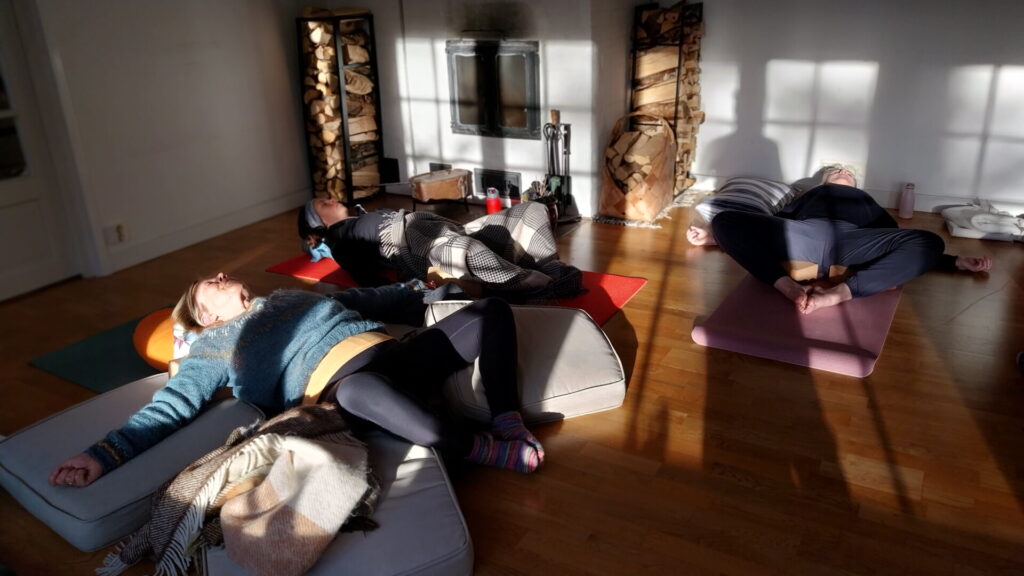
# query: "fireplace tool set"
[[558, 182]]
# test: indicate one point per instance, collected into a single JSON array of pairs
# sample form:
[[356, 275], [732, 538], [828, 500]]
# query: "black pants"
[[394, 386], [830, 225]]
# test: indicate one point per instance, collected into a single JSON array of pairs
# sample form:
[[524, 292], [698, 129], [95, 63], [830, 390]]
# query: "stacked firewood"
[[666, 76], [630, 157], [325, 87], [639, 163]]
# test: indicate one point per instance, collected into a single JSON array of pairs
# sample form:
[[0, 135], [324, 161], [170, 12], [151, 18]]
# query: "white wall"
[[183, 118], [915, 90], [566, 74]]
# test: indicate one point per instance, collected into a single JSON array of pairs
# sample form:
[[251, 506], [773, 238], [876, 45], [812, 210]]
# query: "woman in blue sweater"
[[296, 347]]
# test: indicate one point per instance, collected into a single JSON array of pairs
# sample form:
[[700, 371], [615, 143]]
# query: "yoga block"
[[421, 531], [114, 506], [567, 366]]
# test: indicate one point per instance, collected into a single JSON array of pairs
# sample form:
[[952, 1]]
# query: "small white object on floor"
[[984, 222]]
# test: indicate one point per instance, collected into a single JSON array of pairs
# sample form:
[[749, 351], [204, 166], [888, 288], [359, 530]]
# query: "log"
[[358, 107], [324, 53], [660, 77], [317, 107], [361, 124], [365, 192], [666, 91], [364, 137], [356, 38], [655, 60], [359, 164], [355, 54], [368, 176], [362, 150], [320, 34], [356, 83], [625, 141], [331, 131]]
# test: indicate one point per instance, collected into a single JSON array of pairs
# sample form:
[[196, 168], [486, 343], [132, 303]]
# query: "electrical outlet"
[[115, 234]]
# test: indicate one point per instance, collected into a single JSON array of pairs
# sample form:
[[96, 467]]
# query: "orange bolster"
[[337, 357], [802, 270]]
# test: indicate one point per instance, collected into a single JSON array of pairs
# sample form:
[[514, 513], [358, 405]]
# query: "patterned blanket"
[[511, 253], [276, 495]]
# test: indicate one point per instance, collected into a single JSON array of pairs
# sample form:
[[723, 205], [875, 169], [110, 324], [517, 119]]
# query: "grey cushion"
[[421, 527], [118, 503], [746, 195], [567, 366]]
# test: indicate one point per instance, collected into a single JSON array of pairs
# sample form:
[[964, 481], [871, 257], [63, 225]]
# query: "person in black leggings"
[[392, 384], [834, 224]]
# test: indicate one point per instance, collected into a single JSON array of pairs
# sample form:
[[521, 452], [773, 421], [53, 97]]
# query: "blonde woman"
[[295, 347]]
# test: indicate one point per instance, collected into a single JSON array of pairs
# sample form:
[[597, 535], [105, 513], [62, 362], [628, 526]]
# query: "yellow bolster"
[[337, 357]]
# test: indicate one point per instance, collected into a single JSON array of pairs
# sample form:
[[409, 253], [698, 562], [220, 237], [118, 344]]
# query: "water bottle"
[[493, 201], [906, 209]]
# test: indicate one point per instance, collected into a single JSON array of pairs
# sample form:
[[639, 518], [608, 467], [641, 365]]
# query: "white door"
[[34, 246]]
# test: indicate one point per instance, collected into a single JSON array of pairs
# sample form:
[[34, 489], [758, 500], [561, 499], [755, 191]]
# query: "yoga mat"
[[324, 270], [606, 293], [756, 319], [100, 362]]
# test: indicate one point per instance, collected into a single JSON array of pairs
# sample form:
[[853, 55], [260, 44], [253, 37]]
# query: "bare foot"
[[700, 236], [973, 263], [819, 298], [792, 289]]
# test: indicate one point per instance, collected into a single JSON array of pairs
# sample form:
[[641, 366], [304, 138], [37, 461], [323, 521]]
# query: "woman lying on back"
[[295, 347]]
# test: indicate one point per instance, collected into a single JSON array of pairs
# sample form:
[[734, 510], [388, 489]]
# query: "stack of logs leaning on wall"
[[667, 65], [323, 94]]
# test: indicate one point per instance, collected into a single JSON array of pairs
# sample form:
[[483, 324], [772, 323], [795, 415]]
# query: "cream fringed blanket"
[[276, 495]]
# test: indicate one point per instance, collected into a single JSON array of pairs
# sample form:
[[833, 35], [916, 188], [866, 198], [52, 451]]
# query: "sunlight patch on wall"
[[1001, 167], [1008, 116], [818, 112], [421, 116], [983, 147], [960, 156], [847, 92], [789, 96], [967, 99]]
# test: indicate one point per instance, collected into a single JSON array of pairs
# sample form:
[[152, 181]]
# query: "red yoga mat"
[[606, 293], [755, 319]]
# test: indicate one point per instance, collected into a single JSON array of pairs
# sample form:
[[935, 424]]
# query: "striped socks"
[[511, 454], [509, 426]]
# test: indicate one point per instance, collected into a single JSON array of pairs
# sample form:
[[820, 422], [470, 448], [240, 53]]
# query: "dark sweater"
[[355, 246]]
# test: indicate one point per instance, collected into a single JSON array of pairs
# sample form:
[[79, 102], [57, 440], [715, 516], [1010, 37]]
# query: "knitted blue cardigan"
[[266, 356]]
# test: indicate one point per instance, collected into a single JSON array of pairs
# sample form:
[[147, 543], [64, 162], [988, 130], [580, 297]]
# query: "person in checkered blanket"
[[511, 254]]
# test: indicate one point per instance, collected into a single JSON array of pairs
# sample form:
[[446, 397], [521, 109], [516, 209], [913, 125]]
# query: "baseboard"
[[121, 257]]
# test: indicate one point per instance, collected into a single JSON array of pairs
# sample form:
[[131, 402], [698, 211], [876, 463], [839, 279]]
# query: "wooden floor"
[[717, 463]]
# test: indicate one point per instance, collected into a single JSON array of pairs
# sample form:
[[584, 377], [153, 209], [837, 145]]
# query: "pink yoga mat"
[[755, 319]]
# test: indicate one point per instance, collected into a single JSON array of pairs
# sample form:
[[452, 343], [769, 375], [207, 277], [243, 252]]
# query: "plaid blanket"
[[511, 253], [300, 469]]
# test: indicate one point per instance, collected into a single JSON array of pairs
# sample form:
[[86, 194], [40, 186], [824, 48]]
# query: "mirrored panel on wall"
[[12, 160]]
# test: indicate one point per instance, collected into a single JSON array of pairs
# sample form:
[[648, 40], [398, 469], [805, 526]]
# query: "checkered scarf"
[[511, 253]]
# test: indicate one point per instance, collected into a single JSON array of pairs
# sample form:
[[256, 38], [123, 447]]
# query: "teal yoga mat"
[[100, 362]]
